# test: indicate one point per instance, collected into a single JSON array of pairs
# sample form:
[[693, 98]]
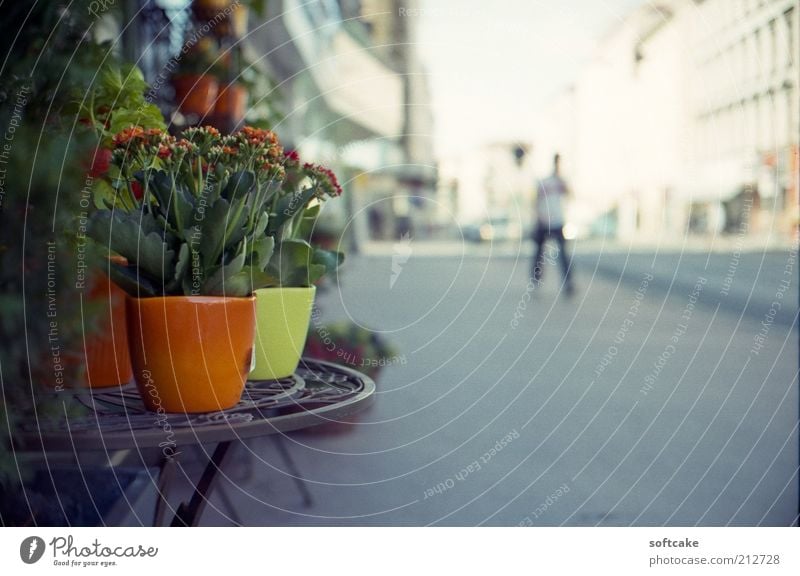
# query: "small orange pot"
[[231, 104], [195, 93], [191, 353], [103, 349], [108, 359]]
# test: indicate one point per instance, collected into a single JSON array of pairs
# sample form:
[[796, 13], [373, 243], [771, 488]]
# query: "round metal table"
[[116, 419]]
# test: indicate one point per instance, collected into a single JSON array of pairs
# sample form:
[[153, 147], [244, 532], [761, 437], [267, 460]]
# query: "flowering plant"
[[297, 262], [188, 216], [209, 214]]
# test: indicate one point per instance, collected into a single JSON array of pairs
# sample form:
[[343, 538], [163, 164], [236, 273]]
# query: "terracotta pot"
[[108, 360], [282, 319], [231, 104], [101, 355], [191, 353], [195, 93]]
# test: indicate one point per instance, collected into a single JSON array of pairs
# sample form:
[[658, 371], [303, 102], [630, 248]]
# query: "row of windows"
[[766, 122], [768, 52], [721, 15]]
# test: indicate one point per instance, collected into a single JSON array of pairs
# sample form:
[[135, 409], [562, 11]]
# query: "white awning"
[[353, 82]]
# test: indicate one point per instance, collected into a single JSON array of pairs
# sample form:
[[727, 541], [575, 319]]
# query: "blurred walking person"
[[550, 195]]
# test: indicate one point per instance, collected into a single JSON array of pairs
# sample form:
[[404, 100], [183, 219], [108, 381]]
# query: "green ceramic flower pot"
[[282, 318]]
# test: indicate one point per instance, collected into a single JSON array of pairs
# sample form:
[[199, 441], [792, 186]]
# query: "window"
[[743, 55], [790, 39], [765, 123], [752, 123], [739, 126], [790, 99], [781, 104], [756, 55], [773, 46]]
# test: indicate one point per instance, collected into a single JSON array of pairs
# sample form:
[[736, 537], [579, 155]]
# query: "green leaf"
[[261, 252], [239, 185], [103, 194], [261, 224], [287, 207], [328, 259], [145, 115], [223, 226], [245, 281], [297, 263], [213, 232], [181, 267], [121, 86], [218, 281], [123, 233], [290, 263], [306, 226], [176, 204], [236, 225], [132, 281]]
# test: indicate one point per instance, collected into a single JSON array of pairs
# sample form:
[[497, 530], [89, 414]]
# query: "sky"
[[495, 65]]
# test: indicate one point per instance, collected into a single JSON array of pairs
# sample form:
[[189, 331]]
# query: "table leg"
[[165, 476], [189, 514]]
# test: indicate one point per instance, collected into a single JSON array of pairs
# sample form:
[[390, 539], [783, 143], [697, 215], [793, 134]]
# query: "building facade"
[[686, 121], [356, 101], [746, 114]]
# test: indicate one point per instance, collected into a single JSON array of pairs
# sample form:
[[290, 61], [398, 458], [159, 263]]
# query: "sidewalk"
[[739, 279], [746, 283], [507, 249], [625, 405]]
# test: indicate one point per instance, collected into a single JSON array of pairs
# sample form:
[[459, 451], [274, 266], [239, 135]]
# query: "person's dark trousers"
[[540, 236]]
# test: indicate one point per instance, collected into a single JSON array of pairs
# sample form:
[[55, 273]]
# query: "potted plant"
[[40, 210], [350, 344], [283, 308], [115, 101], [230, 105], [196, 81], [196, 249]]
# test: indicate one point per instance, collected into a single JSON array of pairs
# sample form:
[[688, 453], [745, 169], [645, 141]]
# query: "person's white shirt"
[[550, 201]]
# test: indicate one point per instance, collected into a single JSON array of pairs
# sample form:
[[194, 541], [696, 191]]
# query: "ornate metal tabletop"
[[116, 418]]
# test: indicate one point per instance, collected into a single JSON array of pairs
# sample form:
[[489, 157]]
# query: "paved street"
[[656, 395]]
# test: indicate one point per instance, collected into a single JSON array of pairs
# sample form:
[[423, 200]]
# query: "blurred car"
[[496, 229]]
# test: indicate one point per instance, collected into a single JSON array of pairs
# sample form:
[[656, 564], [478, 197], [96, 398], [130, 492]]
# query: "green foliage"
[[297, 263], [179, 246], [349, 343], [117, 100], [199, 227], [60, 94], [218, 215]]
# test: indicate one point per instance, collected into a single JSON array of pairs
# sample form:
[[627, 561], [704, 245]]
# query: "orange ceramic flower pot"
[[108, 360], [231, 103], [195, 93], [103, 349], [191, 353]]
